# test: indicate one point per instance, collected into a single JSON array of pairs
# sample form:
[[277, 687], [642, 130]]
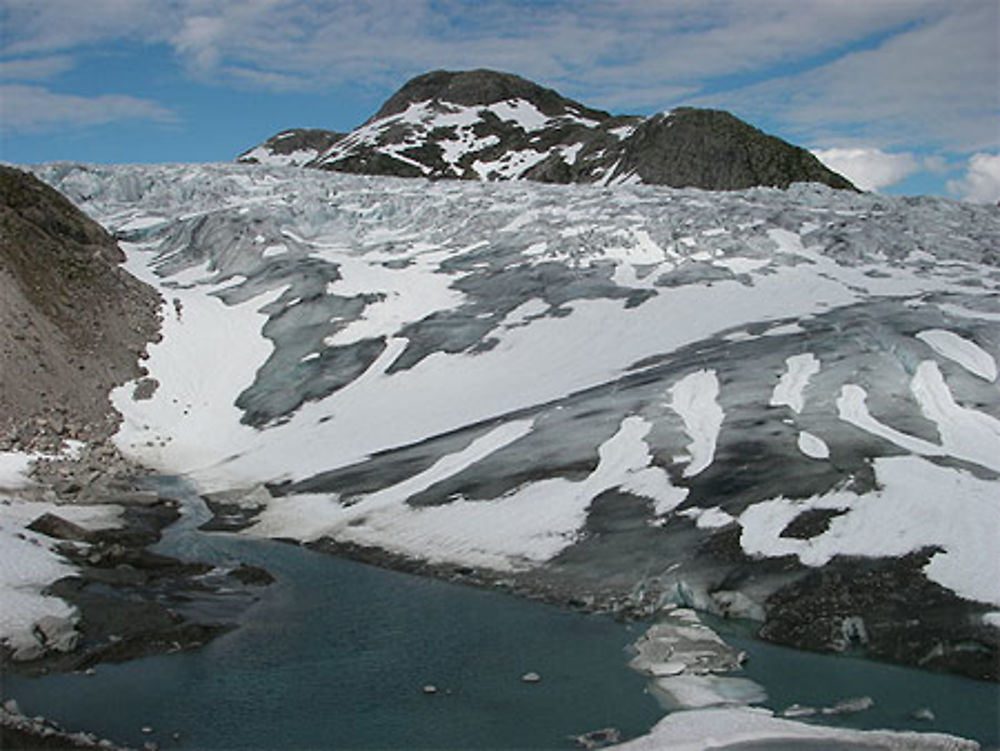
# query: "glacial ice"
[[406, 321]]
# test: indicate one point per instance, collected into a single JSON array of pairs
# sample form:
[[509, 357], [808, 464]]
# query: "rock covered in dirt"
[[75, 322]]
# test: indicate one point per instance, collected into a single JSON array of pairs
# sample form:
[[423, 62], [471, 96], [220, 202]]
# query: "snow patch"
[[813, 446], [525, 527], [29, 564], [792, 385], [918, 504], [708, 518], [407, 295], [959, 349], [966, 434], [14, 466], [694, 398]]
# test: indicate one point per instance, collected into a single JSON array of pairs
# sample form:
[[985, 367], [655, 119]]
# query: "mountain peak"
[[489, 125], [472, 88]]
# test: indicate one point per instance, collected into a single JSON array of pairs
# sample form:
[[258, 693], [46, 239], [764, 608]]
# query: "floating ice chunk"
[[664, 669], [752, 727], [694, 398], [699, 691], [790, 388], [798, 710], [850, 706], [967, 354], [813, 446]]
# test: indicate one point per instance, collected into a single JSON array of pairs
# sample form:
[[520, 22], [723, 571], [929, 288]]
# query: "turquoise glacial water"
[[336, 653]]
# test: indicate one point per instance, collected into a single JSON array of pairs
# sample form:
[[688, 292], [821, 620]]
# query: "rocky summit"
[[485, 125]]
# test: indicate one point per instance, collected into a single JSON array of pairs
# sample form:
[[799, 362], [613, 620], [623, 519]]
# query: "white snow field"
[[466, 372], [29, 561]]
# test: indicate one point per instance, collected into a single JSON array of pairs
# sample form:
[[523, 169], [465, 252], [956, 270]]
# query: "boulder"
[[56, 633], [55, 526]]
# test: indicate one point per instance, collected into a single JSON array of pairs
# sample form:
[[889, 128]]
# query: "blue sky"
[[903, 96]]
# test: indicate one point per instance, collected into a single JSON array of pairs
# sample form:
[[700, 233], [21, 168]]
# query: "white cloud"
[[869, 168], [981, 182], [199, 39], [936, 84], [38, 26], [34, 68], [33, 107], [608, 46], [898, 75]]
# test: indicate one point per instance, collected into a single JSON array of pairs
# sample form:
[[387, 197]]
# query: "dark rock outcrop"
[[887, 609], [75, 322], [481, 87], [705, 148]]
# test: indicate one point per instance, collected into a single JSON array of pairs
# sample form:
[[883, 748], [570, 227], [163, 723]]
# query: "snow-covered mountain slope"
[[292, 148], [776, 404], [484, 125]]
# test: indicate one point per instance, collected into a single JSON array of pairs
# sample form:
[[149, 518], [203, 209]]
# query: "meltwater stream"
[[336, 654]]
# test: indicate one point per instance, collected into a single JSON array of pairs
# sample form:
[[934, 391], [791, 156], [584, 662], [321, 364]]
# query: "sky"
[[901, 96]]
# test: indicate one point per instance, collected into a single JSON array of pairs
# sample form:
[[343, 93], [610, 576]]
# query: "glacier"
[[633, 393]]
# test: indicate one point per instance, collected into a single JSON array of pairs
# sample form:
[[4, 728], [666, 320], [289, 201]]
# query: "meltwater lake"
[[336, 655]]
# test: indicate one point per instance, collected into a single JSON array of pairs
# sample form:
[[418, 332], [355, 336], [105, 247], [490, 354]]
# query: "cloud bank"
[[868, 168], [981, 182], [887, 78], [31, 108]]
